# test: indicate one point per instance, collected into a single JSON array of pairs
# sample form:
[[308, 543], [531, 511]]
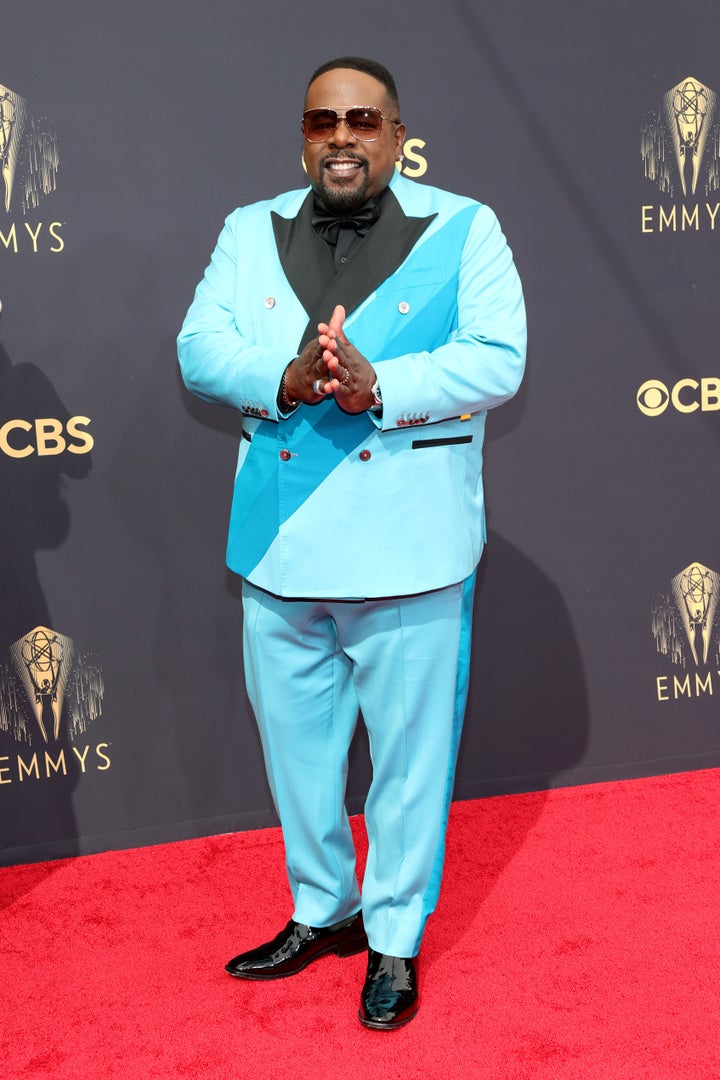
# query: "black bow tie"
[[327, 224]]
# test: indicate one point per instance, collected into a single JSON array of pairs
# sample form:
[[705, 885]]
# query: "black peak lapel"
[[382, 251], [306, 259], [308, 262]]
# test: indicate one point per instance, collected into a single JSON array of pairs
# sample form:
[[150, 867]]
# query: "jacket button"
[[403, 307], [365, 455], [270, 302], [285, 455], [263, 413]]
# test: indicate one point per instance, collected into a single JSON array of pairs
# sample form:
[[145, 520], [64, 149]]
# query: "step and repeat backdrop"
[[127, 133]]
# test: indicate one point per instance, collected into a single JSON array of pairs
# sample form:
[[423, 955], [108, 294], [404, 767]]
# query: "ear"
[[400, 132]]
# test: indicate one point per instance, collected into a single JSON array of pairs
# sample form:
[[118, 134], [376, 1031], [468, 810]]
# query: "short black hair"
[[369, 67]]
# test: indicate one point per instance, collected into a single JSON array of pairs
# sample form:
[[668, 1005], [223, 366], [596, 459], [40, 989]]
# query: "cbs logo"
[[686, 396], [47, 437]]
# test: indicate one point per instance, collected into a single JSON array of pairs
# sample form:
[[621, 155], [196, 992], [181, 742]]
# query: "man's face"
[[343, 170]]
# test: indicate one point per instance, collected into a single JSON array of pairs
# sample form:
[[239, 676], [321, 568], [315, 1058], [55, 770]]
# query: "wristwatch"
[[377, 396]]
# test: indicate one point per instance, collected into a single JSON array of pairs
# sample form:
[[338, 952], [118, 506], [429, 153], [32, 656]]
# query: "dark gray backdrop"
[[169, 115]]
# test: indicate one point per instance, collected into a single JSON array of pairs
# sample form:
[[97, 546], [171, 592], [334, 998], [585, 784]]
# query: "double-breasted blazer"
[[336, 505]]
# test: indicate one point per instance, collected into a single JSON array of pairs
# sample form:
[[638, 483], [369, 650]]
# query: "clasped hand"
[[331, 365]]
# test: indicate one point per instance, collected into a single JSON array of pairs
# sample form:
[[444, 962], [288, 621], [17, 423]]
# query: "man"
[[363, 328]]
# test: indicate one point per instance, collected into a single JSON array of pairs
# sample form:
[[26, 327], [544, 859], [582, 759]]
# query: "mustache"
[[344, 156]]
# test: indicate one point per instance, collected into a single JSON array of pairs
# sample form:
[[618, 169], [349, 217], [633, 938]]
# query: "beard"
[[344, 200]]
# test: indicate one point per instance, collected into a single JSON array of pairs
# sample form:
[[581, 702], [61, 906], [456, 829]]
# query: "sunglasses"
[[363, 122]]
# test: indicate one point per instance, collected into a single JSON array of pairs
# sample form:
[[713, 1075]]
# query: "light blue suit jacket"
[[332, 505]]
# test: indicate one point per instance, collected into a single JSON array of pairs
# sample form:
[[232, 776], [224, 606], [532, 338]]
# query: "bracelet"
[[283, 392]]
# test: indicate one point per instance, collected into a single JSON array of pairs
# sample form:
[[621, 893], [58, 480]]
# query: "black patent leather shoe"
[[297, 946], [390, 995]]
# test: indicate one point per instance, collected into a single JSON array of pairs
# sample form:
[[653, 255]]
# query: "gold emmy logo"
[[676, 138], [680, 147], [696, 596], [50, 693], [29, 158], [686, 628], [42, 659], [49, 689], [12, 124]]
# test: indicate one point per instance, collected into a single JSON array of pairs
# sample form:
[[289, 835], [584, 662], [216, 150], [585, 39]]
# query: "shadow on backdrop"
[[35, 797]]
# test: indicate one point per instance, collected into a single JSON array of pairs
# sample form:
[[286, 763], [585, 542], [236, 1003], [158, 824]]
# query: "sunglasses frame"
[[341, 118]]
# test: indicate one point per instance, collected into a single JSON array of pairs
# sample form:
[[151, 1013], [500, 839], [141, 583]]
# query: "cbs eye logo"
[[686, 396], [653, 398]]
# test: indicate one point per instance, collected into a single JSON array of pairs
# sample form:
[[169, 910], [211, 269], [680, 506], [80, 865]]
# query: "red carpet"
[[576, 939]]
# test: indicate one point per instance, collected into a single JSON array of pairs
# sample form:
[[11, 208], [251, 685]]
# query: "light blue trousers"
[[309, 666]]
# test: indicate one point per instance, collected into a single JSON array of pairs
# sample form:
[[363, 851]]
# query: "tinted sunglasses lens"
[[364, 123], [320, 124]]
